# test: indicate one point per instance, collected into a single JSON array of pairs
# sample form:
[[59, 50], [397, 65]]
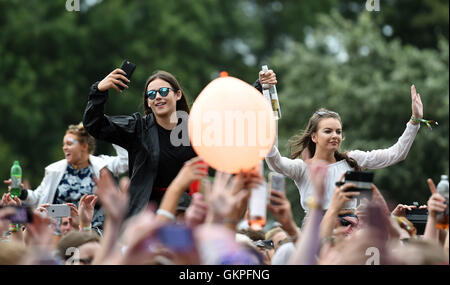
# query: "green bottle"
[[16, 179]]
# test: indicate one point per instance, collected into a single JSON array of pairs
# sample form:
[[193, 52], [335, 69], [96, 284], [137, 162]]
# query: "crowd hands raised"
[[214, 229], [210, 230]]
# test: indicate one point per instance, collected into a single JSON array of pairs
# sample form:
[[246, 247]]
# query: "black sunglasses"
[[163, 91]]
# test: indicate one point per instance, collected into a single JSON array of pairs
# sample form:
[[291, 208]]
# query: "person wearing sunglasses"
[[321, 140], [154, 160]]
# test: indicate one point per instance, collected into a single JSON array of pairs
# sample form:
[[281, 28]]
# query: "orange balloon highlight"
[[231, 125]]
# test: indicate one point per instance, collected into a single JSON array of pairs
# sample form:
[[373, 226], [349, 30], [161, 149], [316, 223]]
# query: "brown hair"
[[303, 141], [83, 136], [182, 104]]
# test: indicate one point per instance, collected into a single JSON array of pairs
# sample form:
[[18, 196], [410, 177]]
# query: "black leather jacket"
[[137, 134]]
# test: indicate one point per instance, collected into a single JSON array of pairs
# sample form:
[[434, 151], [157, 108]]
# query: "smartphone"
[[178, 238], [363, 181], [22, 215], [277, 183], [129, 68], [59, 210], [418, 217]]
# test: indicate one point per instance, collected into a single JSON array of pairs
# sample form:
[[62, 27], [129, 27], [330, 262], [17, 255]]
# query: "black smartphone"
[[129, 68], [363, 181], [22, 215], [177, 238], [418, 217]]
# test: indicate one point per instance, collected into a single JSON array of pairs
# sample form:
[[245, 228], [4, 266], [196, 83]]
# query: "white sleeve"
[[292, 168], [34, 196], [117, 164], [380, 158]]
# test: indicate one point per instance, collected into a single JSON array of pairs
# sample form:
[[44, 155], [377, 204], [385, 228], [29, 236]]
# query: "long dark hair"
[[299, 143], [182, 104]]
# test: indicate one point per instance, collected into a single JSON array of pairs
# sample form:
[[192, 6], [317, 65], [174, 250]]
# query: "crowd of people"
[[150, 217]]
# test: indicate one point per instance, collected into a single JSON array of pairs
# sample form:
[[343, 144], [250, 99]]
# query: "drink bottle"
[[16, 179], [258, 205], [270, 93], [442, 188]]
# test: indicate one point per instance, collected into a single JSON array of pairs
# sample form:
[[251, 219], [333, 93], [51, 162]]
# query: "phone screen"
[[176, 237], [22, 215]]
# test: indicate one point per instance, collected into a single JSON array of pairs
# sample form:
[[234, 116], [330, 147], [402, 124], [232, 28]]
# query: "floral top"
[[74, 184]]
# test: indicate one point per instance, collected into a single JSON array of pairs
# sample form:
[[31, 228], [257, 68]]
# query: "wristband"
[[166, 214], [426, 122], [14, 227], [87, 228]]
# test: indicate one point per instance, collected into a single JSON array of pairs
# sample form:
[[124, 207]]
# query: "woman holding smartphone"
[[154, 158], [322, 140]]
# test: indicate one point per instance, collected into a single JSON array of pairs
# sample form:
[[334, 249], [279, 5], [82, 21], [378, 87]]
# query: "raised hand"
[[112, 81], [416, 103], [228, 197], [400, 210], [280, 207], [86, 209], [8, 200], [436, 203], [269, 78], [197, 211], [114, 202], [192, 170]]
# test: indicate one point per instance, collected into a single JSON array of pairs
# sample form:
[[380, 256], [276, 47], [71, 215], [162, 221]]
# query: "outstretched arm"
[[292, 168], [118, 129], [381, 158]]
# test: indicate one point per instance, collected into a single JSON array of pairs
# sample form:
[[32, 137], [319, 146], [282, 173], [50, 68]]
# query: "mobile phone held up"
[[129, 68], [58, 211], [362, 180], [277, 183], [22, 215], [177, 238]]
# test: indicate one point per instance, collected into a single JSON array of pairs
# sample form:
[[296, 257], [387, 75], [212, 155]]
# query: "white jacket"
[[54, 172]]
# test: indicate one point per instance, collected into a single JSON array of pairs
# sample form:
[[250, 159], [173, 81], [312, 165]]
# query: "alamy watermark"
[[73, 5], [374, 254], [229, 128], [373, 5]]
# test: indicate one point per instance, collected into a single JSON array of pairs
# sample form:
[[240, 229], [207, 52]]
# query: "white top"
[[54, 172], [297, 170]]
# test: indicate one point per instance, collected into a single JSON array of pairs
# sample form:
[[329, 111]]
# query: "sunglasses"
[[163, 91]]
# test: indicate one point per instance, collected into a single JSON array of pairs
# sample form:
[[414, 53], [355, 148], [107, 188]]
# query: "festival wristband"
[[426, 122], [166, 214], [14, 227]]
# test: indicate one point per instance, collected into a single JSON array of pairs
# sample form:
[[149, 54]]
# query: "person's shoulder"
[[57, 166]]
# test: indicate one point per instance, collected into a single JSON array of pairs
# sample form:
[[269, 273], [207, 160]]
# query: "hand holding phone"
[[22, 215], [118, 78], [129, 68], [277, 183], [59, 210], [362, 180]]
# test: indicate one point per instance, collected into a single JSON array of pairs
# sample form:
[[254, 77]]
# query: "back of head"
[[421, 252], [11, 253], [74, 239]]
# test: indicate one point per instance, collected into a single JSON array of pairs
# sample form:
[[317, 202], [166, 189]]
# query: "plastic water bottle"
[[442, 188], [16, 179], [258, 205], [270, 93]]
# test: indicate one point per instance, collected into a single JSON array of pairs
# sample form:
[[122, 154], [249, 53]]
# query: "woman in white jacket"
[[67, 180], [322, 139]]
